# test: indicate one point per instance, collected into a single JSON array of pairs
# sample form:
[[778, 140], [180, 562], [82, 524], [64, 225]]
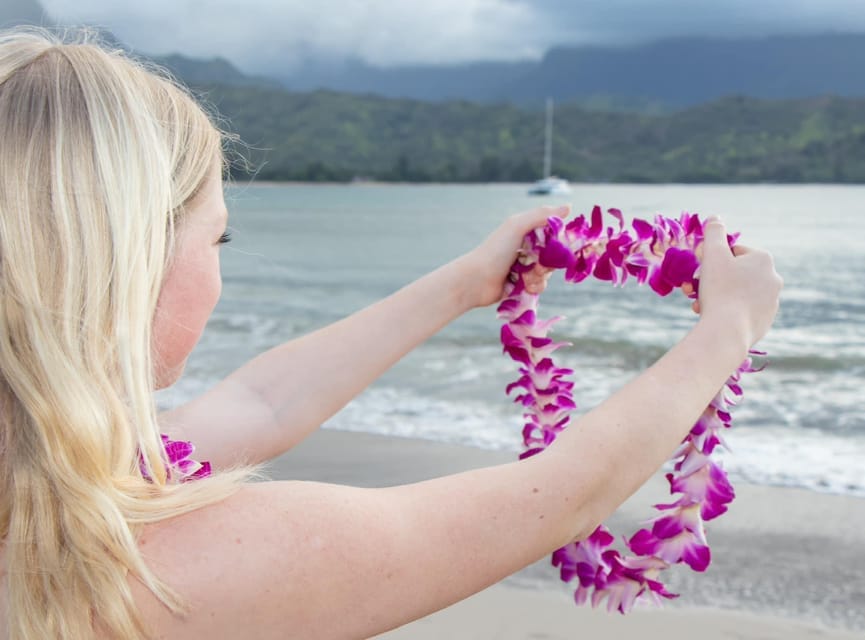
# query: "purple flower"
[[708, 487], [677, 268], [630, 579], [179, 465], [644, 230], [588, 553], [582, 267], [678, 537], [662, 253], [179, 462]]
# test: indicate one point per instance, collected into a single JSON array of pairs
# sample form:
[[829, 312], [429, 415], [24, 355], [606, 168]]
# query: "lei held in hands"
[[661, 253]]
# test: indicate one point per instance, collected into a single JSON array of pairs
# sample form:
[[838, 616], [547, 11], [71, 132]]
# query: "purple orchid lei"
[[180, 466], [661, 253]]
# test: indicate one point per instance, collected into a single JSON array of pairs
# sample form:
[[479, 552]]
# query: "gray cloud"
[[269, 36], [625, 21]]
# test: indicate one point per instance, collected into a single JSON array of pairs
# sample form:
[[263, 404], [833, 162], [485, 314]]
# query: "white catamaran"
[[549, 184]]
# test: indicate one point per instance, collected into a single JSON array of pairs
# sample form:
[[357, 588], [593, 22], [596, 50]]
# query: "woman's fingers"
[[715, 239], [739, 289], [536, 280], [535, 218]]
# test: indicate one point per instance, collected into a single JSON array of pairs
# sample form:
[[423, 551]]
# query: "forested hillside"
[[333, 136]]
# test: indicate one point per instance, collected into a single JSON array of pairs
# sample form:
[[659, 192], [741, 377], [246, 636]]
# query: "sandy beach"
[[787, 563]]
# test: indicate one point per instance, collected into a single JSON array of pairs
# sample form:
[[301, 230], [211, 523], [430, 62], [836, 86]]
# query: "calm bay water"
[[303, 256]]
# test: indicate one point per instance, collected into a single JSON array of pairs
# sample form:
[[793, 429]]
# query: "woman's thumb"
[[715, 238]]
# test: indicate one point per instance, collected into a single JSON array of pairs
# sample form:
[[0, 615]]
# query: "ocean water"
[[304, 255]]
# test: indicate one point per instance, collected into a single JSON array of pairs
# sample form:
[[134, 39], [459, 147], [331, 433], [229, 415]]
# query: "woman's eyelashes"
[[225, 238]]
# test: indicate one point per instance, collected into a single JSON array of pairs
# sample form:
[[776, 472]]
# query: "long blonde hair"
[[99, 155]]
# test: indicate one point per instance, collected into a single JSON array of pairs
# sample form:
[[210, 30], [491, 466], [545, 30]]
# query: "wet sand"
[[787, 563]]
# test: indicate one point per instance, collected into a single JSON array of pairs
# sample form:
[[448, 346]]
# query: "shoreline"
[[572, 183], [788, 558]]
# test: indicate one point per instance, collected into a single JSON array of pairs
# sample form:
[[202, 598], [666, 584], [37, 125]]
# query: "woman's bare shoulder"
[[268, 561], [306, 559]]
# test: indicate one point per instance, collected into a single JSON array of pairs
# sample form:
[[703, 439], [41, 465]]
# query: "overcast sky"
[[268, 36]]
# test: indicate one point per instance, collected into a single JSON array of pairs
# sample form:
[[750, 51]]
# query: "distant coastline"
[[575, 184], [332, 137]]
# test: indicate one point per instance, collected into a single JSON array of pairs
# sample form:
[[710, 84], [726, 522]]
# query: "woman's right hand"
[[739, 289]]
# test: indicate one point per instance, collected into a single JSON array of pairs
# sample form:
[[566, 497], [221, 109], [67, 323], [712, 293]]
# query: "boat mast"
[[548, 141]]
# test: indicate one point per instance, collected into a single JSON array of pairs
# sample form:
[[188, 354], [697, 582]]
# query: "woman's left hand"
[[490, 262]]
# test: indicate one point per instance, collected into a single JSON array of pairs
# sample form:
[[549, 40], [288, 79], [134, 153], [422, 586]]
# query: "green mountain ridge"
[[336, 136]]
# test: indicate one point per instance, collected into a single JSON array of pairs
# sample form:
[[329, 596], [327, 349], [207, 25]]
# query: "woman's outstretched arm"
[[278, 398], [305, 560]]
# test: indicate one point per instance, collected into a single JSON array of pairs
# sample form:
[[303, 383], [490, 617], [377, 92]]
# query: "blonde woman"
[[111, 219]]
